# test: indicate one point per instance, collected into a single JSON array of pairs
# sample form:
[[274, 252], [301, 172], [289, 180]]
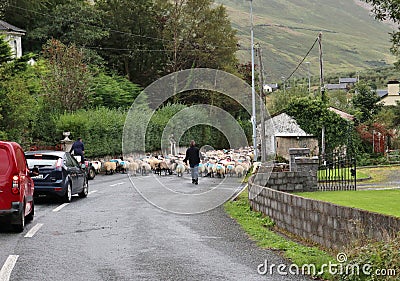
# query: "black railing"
[[337, 171]]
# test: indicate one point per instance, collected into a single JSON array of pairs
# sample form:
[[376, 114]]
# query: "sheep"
[[145, 167], [239, 170], [202, 168], [110, 167], [219, 170], [230, 169], [133, 168], [180, 169], [97, 166], [123, 166]]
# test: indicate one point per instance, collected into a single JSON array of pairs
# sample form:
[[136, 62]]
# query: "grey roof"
[[4, 26], [347, 80], [382, 93], [336, 86], [273, 86]]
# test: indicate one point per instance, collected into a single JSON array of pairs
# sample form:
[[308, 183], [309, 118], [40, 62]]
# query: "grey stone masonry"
[[324, 223], [301, 177]]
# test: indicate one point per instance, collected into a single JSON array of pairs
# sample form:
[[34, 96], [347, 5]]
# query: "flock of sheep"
[[214, 163]]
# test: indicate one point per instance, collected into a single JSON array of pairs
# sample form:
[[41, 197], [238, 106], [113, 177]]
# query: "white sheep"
[[110, 167], [180, 169], [145, 167], [239, 170]]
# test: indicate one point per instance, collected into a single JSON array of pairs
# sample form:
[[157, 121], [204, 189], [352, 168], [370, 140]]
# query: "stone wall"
[[327, 224], [302, 175]]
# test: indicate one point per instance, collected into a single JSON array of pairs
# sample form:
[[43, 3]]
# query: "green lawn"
[[338, 174], [379, 201]]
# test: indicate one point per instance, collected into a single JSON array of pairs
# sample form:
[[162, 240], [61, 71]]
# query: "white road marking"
[[33, 230], [120, 183], [93, 191], [7, 268], [60, 207]]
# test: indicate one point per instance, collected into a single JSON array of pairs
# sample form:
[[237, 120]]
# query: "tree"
[[312, 115], [365, 101], [5, 51], [67, 83], [134, 45], [69, 21], [113, 91], [17, 103], [197, 34], [389, 10]]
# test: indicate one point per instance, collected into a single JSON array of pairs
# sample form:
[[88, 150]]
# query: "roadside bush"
[[101, 129], [375, 260]]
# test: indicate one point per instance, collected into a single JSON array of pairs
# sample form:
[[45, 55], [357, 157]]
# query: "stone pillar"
[[297, 152], [66, 143]]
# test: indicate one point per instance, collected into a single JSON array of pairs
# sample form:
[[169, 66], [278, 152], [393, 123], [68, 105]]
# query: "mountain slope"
[[286, 29]]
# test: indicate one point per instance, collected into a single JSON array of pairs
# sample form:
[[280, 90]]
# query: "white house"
[[282, 132], [269, 88], [392, 95], [13, 36]]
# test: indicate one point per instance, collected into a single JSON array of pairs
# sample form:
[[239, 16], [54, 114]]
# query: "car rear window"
[[40, 160], [4, 161]]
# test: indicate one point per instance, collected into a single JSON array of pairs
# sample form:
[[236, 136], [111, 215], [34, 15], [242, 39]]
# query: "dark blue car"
[[59, 174]]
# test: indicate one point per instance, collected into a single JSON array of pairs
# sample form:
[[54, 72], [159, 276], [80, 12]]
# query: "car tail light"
[[59, 164], [15, 184]]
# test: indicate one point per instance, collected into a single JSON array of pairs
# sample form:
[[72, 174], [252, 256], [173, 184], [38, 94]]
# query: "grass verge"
[[380, 201], [260, 229]]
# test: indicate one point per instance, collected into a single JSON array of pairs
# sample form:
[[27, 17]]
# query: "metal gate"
[[337, 171]]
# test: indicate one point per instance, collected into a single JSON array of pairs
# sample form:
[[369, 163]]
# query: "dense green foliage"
[[313, 115], [381, 257], [101, 129], [366, 101]]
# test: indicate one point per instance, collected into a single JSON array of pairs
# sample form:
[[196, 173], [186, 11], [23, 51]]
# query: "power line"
[[304, 58], [92, 25], [111, 30]]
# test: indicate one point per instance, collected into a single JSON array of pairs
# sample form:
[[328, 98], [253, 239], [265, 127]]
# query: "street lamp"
[[309, 82], [253, 92]]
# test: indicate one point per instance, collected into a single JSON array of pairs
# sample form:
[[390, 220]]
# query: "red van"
[[16, 186]]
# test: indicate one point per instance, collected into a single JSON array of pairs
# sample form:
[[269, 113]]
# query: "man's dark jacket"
[[193, 155]]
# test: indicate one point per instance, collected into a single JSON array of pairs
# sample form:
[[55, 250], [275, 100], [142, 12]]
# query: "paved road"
[[115, 234]]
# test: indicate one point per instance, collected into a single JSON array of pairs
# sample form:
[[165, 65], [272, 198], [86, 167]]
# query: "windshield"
[[39, 160]]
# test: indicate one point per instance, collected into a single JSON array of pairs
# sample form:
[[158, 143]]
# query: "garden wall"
[[327, 224]]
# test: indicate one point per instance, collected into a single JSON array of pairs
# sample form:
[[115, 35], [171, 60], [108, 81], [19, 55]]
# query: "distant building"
[[342, 114], [269, 88], [348, 80], [285, 134], [13, 36], [336, 87], [344, 84], [393, 93]]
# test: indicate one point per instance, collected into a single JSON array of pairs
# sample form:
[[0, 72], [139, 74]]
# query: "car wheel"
[[31, 214], [92, 173], [20, 225], [85, 190], [68, 194]]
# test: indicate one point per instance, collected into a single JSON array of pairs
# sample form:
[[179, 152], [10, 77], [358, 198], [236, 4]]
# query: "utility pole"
[[309, 79], [262, 105], [253, 91], [321, 71], [321, 84]]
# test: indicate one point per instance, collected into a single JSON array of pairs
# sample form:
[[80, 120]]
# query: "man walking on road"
[[193, 155], [78, 148]]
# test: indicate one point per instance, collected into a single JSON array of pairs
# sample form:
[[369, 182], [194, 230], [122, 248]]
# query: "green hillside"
[[286, 29]]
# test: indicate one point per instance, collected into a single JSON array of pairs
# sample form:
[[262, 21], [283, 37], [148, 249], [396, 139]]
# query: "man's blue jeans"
[[195, 171]]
